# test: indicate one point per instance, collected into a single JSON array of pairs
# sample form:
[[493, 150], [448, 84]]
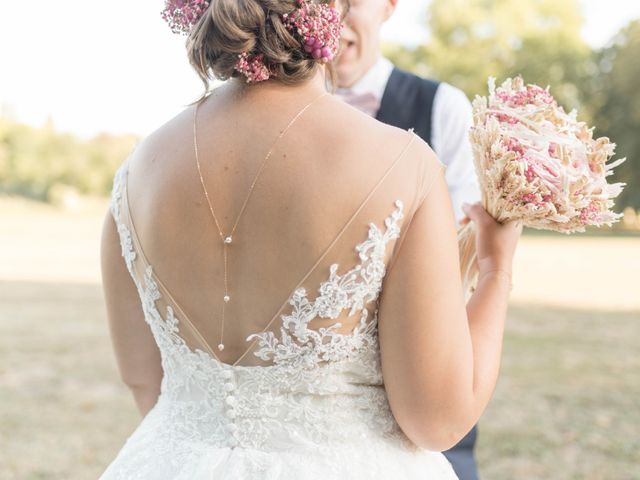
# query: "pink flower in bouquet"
[[538, 164]]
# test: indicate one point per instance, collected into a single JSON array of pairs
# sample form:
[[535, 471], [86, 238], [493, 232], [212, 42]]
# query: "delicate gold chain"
[[227, 240]]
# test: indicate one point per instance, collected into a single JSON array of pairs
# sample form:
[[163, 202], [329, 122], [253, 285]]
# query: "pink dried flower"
[[319, 26], [538, 165], [552, 156], [531, 95], [590, 213], [182, 15], [514, 146], [252, 67], [505, 118], [529, 174]]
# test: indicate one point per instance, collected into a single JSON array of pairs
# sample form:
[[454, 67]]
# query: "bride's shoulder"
[[168, 137], [179, 126], [367, 133]]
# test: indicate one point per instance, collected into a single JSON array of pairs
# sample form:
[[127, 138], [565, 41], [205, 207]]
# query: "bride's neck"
[[273, 89]]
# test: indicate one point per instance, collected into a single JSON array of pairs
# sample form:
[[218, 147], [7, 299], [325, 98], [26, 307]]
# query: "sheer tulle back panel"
[[300, 231]]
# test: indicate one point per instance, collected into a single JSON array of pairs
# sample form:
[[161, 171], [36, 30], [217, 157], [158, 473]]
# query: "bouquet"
[[538, 165]]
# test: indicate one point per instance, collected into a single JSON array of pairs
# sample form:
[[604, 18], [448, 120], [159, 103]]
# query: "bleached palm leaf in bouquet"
[[536, 164]]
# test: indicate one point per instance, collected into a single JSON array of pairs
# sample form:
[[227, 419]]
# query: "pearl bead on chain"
[[228, 239]]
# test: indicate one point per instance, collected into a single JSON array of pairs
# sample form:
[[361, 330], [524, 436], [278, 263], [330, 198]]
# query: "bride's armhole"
[[432, 168], [119, 178], [115, 198]]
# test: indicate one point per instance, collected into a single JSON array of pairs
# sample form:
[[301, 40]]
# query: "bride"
[[281, 272]]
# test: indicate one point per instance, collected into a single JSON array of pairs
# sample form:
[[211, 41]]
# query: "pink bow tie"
[[366, 102]]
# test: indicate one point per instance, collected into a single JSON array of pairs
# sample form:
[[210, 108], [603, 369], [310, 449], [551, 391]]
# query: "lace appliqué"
[[128, 252], [203, 400], [352, 290], [319, 411]]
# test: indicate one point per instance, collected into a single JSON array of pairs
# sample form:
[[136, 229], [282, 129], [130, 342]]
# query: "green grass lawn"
[[567, 405]]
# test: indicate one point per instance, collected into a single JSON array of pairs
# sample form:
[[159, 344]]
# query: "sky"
[[113, 66]]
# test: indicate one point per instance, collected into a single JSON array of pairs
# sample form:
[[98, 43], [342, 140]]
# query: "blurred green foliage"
[[616, 103], [36, 162], [540, 40]]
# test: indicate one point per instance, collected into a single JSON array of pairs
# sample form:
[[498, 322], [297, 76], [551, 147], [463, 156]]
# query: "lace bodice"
[[353, 290], [319, 392], [317, 378]]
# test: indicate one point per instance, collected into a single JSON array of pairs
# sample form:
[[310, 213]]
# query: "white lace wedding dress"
[[318, 410]]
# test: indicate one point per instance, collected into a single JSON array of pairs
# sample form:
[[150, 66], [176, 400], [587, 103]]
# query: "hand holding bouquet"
[[538, 165]]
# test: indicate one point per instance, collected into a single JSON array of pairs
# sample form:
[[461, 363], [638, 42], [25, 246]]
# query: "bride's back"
[[332, 316], [331, 174]]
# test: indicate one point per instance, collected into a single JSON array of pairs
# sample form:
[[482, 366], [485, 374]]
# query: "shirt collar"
[[375, 80]]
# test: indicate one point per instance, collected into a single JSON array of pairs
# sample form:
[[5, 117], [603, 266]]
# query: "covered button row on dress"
[[229, 388]]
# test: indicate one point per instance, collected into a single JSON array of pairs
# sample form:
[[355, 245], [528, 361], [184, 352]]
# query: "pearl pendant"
[[227, 298], [228, 240], [221, 347]]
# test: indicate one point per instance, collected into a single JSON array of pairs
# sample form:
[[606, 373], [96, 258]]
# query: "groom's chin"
[[347, 72]]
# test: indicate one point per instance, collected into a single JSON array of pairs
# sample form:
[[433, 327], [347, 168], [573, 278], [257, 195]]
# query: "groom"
[[439, 113]]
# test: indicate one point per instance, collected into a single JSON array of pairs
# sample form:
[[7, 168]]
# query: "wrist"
[[495, 270], [502, 274], [491, 265]]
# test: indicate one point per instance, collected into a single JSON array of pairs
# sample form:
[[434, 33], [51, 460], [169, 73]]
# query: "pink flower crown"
[[317, 24]]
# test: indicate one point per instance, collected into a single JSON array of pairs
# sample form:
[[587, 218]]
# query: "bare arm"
[[440, 359], [136, 352]]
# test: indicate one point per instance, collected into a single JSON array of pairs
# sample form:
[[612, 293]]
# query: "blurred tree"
[[34, 160], [540, 40], [474, 39], [617, 106]]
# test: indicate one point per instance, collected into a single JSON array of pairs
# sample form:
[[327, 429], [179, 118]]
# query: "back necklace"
[[227, 239]]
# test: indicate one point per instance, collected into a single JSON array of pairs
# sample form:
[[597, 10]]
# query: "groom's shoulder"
[[410, 87], [406, 77], [448, 95]]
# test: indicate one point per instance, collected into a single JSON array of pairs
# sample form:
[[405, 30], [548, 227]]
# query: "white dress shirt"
[[450, 124]]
